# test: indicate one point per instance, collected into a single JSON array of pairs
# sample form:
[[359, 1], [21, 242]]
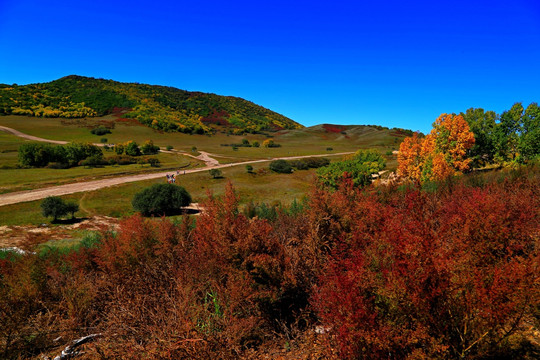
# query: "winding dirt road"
[[37, 194]]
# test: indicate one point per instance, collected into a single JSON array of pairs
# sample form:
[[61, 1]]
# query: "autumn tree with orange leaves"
[[441, 154]]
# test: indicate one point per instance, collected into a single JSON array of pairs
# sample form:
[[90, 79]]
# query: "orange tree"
[[442, 153]]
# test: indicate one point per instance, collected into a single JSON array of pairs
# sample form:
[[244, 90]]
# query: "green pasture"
[[307, 141], [8, 149], [116, 200]]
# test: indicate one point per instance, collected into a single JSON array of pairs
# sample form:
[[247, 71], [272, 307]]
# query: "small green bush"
[[100, 131], [281, 166], [215, 173], [154, 162], [53, 206]]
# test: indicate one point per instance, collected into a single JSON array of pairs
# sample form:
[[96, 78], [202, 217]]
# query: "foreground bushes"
[[451, 273]]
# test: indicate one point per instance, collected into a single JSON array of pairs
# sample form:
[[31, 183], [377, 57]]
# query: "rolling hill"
[[159, 107]]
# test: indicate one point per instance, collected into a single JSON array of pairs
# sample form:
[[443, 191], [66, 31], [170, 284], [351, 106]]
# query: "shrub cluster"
[[281, 166], [41, 154], [286, 167], [101, 130], [244, 143], [131, 148], [447, 274], [309, 163], [359, 168]]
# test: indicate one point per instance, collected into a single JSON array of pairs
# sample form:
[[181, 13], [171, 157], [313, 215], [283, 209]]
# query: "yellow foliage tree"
[[440, 154], [268, 143], [410, 157]]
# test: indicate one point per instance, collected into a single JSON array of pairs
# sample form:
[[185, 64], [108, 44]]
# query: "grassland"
[[15, 179], [116, 201], [307, 141]]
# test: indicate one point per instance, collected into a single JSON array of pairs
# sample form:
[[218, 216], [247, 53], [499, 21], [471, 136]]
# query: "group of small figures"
[[171, 179]]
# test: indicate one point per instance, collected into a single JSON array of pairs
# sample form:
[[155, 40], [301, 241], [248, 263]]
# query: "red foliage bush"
[[450, 274]]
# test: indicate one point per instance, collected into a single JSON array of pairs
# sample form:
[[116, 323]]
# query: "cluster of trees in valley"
[[43, 154], [84, 154]]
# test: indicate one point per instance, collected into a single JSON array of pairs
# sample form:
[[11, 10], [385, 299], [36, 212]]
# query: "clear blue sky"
[[393, 63]]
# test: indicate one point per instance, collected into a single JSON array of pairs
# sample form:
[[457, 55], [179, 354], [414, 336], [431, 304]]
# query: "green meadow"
[[260, 186]]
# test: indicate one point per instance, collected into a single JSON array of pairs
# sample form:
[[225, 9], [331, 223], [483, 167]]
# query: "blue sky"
[[391, 63]]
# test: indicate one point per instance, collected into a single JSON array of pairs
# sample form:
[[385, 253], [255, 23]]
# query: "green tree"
[[35, 154], [72, 208], [483, 125], [148, 148], [507, 133], [154, 162], [119, 149], [249, 168], [529, 141], [54, 206], [132, 149], [215, 173], [161, 199]]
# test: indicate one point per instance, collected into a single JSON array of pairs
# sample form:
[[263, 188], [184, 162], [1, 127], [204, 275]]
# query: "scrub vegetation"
[[447, 273], [307, 258]]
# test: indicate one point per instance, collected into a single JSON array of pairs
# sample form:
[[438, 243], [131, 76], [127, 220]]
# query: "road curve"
[[30, 137]]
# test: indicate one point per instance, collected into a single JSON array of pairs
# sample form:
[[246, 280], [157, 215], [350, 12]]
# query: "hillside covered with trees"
[[160, 107]]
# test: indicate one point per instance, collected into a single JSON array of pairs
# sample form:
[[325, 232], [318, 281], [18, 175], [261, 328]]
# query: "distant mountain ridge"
[[159, 107]]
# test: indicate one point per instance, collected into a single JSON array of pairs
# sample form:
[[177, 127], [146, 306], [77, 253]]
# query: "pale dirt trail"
[[30, 137], [37, 194]]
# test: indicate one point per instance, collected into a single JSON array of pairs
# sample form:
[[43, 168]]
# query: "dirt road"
[[30, 137], [37, 194]]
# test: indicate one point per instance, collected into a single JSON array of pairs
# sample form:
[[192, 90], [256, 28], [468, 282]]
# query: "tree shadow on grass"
[[183, 212], [175, 213], [69, 221]]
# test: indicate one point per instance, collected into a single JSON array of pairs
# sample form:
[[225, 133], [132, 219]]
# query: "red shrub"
[[449, 274]]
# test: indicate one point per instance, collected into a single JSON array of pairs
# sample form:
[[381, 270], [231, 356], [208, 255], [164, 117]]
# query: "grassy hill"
[[159, 107]]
